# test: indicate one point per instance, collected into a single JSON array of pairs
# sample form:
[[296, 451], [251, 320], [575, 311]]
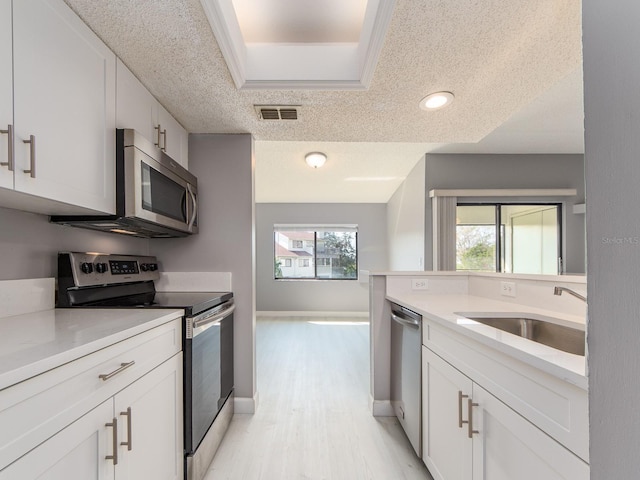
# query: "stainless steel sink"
[[562, 337]]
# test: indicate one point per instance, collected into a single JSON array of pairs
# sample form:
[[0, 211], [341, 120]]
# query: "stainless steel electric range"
[[124, 281]]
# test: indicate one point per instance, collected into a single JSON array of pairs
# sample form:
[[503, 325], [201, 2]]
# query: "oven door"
[[157, 194], [208, 376]]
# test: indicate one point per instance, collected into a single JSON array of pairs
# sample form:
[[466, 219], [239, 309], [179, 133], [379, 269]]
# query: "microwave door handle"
[[194, 210]]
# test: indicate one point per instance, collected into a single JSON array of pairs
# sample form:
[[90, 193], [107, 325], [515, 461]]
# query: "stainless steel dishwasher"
[[406, 372]]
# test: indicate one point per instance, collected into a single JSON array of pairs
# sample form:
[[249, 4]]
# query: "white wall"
[[512, 171], [319, 295], [224, 166], [611, 43], [405, 222], [29, 244]]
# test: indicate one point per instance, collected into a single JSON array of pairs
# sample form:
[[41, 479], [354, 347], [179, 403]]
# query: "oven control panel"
[[92, 269]]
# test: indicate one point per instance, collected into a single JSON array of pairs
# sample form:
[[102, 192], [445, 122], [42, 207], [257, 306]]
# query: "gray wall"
[[612, 149], [319, 295], [405, 222], [224, 165], [29, 244], [512, 171]]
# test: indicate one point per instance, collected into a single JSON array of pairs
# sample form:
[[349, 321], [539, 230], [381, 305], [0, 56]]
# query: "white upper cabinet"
[[6, 95], [175, 139], [135, 107], [138, 109], [64, 100]]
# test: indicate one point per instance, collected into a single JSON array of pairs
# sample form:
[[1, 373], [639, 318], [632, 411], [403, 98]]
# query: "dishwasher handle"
[[407, 322]]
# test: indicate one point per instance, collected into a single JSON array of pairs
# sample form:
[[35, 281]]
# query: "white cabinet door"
[[6, 91], [135, 107], [64, 97], [446, 446], [175, 140], [150, 415], [78, 451], [508, 447]]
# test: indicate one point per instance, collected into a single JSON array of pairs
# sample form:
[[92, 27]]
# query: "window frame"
[[353, 229], [500, 228]]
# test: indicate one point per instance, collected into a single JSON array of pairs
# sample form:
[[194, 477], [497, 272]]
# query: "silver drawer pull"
[[123, 366], [113, 457], [128, 415], [10, 155]]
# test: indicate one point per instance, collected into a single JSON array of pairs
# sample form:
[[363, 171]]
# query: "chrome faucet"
[[558, 291]]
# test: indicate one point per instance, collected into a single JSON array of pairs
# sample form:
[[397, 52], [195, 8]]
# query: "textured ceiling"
[[497, 56]]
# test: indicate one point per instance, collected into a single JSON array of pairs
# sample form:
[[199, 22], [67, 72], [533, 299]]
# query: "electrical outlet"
[[508, 289], [419, 284]]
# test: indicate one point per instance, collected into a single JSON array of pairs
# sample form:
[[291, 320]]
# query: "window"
[[321, 252], [512, 238]]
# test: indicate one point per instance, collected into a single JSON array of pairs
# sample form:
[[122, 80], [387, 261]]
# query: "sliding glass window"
[[511, 238], [316, 252]]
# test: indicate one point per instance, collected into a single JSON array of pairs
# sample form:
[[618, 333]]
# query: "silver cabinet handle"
[[164, 143], [10, 156], [123, 366], [113, 457], [470, 406], [460, 397], [32, 156], [128, 415], [161, 133]]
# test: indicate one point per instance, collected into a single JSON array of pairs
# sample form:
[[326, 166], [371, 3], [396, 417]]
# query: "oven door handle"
[[201, 325]]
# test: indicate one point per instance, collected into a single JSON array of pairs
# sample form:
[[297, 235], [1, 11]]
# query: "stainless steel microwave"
[[155, 196]]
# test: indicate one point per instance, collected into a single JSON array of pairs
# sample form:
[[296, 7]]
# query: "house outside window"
[[322, 252]]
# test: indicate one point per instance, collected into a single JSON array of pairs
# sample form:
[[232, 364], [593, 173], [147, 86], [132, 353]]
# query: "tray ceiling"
[[499, 57]]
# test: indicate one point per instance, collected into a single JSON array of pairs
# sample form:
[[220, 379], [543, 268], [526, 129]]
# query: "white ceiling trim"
[[505, 192], [348, 66]]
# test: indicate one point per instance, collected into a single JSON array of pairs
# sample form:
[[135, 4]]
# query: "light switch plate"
[[508, 289]]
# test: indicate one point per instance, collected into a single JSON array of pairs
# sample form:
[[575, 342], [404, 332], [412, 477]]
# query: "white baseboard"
[[381, 408], [306, 313], [245, 404]]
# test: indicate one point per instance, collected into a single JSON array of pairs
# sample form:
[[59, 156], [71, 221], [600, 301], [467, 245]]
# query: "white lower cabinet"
[[509, 447], [114, 414], [134, 435], [469, 434], [76, 452], [446, 450], [149, 414]]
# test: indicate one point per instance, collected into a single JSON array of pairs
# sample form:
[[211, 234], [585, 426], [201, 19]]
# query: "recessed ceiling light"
[[315, 159], [436, 100]]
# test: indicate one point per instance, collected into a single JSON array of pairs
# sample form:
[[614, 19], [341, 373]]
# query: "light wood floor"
[[313, 419]]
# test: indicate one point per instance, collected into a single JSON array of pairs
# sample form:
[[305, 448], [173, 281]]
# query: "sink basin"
[[562, 337]]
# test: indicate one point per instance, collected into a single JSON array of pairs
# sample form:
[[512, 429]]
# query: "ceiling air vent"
[[277, 112]]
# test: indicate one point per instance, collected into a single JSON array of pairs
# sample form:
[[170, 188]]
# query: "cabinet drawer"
[[36, 409], [558, 408]]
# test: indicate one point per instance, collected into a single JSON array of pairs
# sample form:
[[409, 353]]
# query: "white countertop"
[[33, 343], [442, 309]]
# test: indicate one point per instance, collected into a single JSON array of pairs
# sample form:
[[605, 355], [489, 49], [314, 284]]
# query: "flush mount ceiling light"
[[436, 100], [315, 159]]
